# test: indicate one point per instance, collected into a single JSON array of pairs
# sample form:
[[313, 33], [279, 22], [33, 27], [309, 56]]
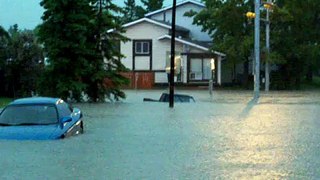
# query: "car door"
[[64, 110]]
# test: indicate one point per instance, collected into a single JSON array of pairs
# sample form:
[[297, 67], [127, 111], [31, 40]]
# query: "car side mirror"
[[66, 119]]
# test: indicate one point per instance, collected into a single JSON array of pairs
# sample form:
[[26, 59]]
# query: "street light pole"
[[257, 49], [267, 65], [173, 36]]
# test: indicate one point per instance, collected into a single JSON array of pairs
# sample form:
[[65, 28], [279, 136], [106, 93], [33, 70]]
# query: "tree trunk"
[[234, 74], [245, 73], [309, 75]]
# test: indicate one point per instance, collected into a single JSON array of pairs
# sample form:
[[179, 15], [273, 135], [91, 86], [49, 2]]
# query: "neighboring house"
[[147, 54]]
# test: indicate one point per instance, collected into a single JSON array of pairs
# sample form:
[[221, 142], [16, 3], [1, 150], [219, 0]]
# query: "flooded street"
[[226, 136]]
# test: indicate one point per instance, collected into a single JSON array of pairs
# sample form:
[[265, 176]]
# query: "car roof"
[[35, 100], [178, 95]]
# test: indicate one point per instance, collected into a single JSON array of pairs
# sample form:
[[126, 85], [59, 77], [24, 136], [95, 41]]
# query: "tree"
[[132, 12], [64, 35], [21, 62], [80, 51], [152, 5], [295, 37], [230, 30], [4, 41], [105, 65]]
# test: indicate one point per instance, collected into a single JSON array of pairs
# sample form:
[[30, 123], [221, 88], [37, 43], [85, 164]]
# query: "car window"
[[185, 98], [64, 109], [29, 114]]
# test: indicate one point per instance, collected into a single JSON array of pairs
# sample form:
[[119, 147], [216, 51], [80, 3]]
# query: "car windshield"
[[29, 115]]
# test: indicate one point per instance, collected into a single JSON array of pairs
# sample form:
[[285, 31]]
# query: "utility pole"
[[173, 36], [257, 49], [267, 65]]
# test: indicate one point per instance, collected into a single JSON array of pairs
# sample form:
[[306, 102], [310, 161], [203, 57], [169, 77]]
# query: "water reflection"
[[257, 145], [203, 140]]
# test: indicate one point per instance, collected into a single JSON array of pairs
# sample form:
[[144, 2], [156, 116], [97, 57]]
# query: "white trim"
[[142, 47], [148, 20], [219, 70], [184, 42], [178, 4], [190, 44], [140, 21]]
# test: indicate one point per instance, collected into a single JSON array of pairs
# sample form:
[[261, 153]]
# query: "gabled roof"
[[155, 22], [178, 4], [190, 43], [178, 28]]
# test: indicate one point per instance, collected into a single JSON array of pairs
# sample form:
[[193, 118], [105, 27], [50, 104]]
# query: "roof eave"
[[192, 44], [142, 20], [170, 7]]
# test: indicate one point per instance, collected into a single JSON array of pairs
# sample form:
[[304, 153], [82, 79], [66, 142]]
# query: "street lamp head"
[[250, 15], [268, 5]]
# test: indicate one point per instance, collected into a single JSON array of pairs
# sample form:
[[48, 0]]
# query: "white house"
[[147, 54]]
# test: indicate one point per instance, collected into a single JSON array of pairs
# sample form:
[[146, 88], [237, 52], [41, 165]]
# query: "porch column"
[[219, 71], [184, 63], [184, 68]]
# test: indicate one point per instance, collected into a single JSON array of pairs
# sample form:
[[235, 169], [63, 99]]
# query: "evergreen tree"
[[82, 55], [132, 12], [152, 5], [129, 9], [64, 35], [103, 73]]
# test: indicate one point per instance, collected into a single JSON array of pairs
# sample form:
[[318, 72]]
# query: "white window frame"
[[142, 43]]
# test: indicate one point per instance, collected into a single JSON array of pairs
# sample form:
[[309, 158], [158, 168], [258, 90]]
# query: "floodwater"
[[226, 136]]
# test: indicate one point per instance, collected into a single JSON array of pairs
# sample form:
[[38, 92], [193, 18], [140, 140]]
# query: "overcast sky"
[[27, 13]]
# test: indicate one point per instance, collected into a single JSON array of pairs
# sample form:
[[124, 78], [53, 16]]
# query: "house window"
[[142, 47], [142, 55], [201, 69]]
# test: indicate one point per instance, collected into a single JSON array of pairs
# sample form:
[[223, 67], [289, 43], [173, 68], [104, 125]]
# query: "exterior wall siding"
[[142, 63], [150, 31], [181, 20], [146, 78]]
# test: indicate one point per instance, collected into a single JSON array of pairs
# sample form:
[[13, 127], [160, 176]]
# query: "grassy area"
[[314, 85], [4, 102]]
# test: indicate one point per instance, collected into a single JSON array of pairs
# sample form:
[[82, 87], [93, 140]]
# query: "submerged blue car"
[[40, 118]]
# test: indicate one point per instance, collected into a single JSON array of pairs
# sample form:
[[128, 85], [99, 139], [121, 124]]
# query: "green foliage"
[[314, 85], [64, 34], [21, 62], [231, 31], [152, 5], [132, 12], [4, 102], [295, 37], [294, 40], [105, 66], [82, 55]]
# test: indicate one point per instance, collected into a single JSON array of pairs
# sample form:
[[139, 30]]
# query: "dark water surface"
[[226, 136]]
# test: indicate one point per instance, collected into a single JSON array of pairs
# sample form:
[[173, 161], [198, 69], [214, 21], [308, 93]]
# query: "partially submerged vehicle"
[[180, 98], [40, 118]]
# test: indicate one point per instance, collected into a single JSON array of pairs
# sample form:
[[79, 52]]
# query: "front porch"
[[195, 68]]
